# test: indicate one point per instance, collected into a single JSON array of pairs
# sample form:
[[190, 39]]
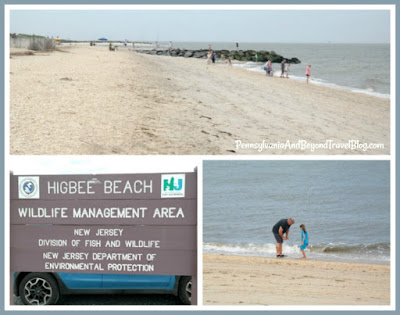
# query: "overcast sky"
[[309, 26]]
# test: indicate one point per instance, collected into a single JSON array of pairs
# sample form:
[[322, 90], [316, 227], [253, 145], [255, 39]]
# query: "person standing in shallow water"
[[280, 228], [283, 67], [304, 240], [269, 68], [308, 72], [287, 70]]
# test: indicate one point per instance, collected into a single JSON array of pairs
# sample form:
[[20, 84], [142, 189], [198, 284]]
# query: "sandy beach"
[[87, 100], [239, 280]]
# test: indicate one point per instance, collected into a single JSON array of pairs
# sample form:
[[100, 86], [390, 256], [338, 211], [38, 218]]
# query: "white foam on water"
[[269, 250], [351, 89], [266, 250], [259, 68]]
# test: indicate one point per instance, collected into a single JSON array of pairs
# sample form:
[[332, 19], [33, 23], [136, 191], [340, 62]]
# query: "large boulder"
[[200, 54], [188, 54], [174, 52], [294, 60], [263, 57], [275, 58]]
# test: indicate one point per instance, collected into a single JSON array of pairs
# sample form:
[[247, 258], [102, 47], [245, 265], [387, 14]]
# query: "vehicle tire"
[[185, 290], [38, 288]]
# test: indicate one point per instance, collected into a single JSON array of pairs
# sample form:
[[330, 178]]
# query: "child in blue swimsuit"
[[304, 240]]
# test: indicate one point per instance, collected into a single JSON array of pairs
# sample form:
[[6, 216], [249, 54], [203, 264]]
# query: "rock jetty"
[[240, 55]]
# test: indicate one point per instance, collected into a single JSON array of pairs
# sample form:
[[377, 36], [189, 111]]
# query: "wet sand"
[[238, 280]]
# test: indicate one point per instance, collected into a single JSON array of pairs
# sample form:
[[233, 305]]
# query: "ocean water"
[[361, 68], [345, 206]]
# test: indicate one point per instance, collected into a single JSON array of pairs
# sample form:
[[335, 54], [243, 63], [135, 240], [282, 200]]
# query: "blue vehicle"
[[40, 288]]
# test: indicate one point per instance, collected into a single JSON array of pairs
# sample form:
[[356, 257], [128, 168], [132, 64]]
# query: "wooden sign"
[[117, 224]]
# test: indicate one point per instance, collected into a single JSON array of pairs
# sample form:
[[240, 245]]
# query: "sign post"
[[109, 224]]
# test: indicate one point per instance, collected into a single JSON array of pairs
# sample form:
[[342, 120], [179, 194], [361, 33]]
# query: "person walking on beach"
[[287, 71], [229, 61], [283, 67], [269, 65], [212, 57], [170, 47], [256, 58], [269, 68], [209, 58], [304, 240], [280, 228], [308, 72]]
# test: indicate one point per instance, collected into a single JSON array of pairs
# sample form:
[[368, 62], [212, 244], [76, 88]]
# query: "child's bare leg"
[[304, 254]]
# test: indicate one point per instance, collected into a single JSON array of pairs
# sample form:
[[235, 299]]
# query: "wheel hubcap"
[[38, 291]]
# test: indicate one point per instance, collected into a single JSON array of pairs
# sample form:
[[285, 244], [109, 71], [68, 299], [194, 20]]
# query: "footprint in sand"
[[225, 132]]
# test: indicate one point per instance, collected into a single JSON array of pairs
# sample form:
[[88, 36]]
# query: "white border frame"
[[199, 158]]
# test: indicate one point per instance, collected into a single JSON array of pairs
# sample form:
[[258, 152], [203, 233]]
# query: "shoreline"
[[370, 253], [327, 84], [311, 257], [92, 101], [233, 280]]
